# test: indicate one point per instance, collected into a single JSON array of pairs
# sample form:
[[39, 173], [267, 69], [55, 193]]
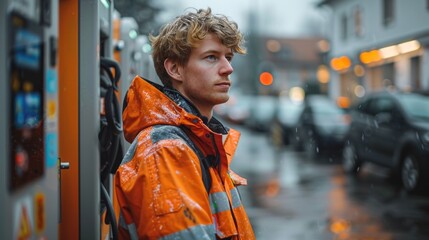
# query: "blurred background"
[[303, 99], [332, 101]]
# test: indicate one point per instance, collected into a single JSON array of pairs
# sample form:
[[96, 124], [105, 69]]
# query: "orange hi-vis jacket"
[[159, 186]]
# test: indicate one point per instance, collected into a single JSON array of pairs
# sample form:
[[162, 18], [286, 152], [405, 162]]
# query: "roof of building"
[[294, 50]]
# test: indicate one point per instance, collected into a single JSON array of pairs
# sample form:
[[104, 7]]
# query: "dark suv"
[[391, 129]]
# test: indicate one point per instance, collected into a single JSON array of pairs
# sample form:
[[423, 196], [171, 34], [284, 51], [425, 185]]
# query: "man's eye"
[[212, 57]]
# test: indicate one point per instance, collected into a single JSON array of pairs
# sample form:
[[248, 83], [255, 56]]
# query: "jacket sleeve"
[[163, 195]]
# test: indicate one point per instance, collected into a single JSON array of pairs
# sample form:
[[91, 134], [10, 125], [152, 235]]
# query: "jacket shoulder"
[[166, 132], [163, 132]]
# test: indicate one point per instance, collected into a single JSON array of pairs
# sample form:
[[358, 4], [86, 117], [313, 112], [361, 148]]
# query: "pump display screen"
[[27, 51], [26, 81], [28, 109]]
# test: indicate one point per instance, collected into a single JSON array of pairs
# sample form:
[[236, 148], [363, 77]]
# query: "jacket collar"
[[213, 124]]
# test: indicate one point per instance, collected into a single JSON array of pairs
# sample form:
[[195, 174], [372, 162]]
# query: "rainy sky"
[[274, 17]]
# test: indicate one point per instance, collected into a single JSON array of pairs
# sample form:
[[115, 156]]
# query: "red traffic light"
[[266, 78]]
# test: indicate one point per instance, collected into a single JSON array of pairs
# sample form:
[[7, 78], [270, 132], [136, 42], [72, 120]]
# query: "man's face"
[[205, 78]]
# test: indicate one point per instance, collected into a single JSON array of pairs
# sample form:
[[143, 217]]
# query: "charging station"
[[29, 166], [85, 41], [61, 137]]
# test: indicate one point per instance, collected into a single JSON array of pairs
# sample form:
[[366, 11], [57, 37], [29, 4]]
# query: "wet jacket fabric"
[[159, 186]]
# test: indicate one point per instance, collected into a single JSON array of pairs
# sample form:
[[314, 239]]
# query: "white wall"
[[411, 21]]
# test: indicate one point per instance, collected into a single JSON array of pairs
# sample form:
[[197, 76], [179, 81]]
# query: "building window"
[[388, 11], [389, 80], [358, 21], [415, 72], [344, 27]]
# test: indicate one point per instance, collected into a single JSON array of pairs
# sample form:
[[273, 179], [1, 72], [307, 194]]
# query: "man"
[[175, 181]]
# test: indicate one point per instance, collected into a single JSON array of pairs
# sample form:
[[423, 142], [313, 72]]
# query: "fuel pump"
[[29, 166], [79, 60]]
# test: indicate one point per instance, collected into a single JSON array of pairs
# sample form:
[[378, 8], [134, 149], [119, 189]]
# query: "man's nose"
[[226, 67]]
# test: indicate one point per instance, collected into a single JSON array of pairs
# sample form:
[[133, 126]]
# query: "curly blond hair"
[[177, 38]]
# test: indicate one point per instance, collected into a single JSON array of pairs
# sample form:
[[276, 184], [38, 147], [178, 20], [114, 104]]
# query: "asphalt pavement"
[[292, 197]]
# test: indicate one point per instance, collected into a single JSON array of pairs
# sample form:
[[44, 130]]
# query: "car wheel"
[[351, 161], [410, 173]]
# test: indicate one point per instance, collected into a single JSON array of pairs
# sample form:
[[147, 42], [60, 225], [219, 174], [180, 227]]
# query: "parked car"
[[285, 120], [392, 130], [322, 126], [261, 113], [236, 109], [239, 110]]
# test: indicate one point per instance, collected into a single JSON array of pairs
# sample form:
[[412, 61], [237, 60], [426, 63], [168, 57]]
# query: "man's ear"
[[173, 69]]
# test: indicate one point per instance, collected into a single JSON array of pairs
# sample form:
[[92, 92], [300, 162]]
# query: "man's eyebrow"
[[210, 51], [213, 51]]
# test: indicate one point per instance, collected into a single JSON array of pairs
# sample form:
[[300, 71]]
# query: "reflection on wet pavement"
[[292, 197]]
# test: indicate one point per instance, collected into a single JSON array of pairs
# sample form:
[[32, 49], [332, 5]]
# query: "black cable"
[[111, 123], [110, 212], [109, 136], [107, 63], [113, 112]]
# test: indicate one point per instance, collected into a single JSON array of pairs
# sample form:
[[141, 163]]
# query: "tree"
[[143, 11]]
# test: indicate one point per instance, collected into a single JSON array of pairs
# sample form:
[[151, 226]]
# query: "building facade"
[[292, 62], [377, 44]]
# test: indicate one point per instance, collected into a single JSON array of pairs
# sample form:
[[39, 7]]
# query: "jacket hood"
[[147, 104]]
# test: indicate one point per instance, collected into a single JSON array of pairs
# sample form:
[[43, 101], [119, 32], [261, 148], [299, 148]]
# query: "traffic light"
[[266, 78]]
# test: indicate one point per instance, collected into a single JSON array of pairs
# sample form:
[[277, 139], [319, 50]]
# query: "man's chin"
[[223, 99]]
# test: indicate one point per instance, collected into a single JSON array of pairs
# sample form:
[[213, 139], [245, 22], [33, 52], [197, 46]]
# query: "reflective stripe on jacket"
[[159, 185]]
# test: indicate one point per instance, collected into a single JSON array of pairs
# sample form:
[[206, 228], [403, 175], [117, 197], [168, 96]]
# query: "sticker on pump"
[[40, 213], [52, 81], [23, 219], [51, 150]]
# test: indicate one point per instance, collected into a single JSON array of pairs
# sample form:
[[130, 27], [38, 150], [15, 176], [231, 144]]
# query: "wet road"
[[291, 197]]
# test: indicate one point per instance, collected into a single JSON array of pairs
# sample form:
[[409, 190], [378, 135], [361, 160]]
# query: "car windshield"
[[415, 105], [326, 108], [289, 111], [327, 113], [264, 107]]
